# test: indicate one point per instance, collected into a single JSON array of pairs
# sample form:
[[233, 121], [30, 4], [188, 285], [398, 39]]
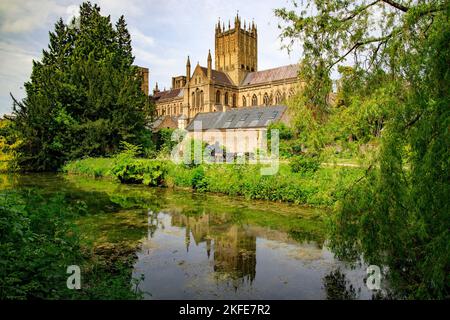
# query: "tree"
[[9, 144], [84, 95], [398, 214]]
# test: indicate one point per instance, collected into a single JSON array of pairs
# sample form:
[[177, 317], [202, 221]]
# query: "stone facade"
[[143, 72], [234, 83]]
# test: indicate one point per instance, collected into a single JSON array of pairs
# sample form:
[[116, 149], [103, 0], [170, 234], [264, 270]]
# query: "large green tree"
[[398, 215], [84, 95]]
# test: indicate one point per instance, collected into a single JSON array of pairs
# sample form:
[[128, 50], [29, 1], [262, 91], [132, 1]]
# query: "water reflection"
[[206, 246], [338, 287], [192, 254], [233, 247]]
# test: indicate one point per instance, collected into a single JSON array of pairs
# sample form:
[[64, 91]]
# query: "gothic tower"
[[236, 49]]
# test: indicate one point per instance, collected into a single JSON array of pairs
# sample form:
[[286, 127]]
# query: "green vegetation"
[[9, 144], [39, 241], [305, 164], [94, 167], [84, 96], [310, 185], [396, 96]]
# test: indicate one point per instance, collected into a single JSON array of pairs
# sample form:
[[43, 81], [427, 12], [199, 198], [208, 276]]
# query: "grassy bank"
[[320, 188]]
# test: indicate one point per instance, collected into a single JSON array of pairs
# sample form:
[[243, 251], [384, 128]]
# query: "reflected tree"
[[337, 287]]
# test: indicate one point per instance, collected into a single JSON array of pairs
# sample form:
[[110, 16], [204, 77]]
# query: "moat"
[[197, 246]]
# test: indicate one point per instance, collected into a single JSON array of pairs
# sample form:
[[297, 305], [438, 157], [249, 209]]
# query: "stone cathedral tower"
[[236, 49]]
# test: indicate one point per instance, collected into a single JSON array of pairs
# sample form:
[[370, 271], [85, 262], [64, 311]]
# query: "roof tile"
[[247, 117], [280, 73]]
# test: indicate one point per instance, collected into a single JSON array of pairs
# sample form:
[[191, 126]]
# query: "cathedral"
[[234, 82]]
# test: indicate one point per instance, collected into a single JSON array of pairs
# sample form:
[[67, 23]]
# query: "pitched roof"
[[218, 76], [247, 117], [169, 94], [154, 126], [280, 73]]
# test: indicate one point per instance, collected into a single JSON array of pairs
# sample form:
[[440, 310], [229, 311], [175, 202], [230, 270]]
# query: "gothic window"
[[197, 98], [244, 101], [226, 98], [218, 97], [278, 98], [193, 99], [291, 93], [234, 100], [254, 100], [266, 100]]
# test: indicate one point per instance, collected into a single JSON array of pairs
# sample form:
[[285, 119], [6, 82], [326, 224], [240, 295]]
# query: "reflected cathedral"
[[233, 247]]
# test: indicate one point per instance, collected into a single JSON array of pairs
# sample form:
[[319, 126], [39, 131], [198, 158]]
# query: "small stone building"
[[241, 130]]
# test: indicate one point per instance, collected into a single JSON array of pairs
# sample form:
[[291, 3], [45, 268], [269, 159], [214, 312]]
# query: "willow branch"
[[362, 43], [396, 5], [359, 10]]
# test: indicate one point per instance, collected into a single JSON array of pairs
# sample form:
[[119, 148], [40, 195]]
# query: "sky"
[[163, 34]]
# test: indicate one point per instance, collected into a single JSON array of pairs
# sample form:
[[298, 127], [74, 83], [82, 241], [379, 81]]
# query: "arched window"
[[254, 100], [226, 98], [266, 100], [193, 99], [291, 93], [218, 97], [234, 100], [244, 101], [197, 98], [278, 98]]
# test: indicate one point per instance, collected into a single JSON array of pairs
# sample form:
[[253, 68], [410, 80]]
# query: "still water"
[[197, 246]]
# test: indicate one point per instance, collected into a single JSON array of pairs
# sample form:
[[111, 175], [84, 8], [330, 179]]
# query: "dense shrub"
[[305, 164], [198, 181], [94, 167], [148, 172]]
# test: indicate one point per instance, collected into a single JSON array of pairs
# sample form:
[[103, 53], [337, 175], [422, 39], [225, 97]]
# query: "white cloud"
[[140, 39], [23, 16], [116, 8], [15, 69], [72, 11]]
